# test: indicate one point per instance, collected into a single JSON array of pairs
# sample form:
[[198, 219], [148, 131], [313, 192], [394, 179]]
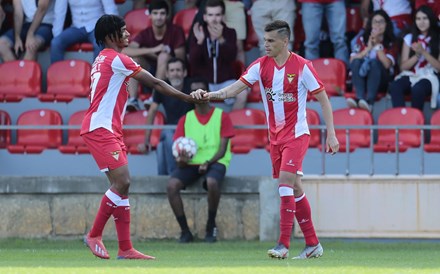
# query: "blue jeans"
[[69, 37], [165, 159], [312, 14], [376, 79]]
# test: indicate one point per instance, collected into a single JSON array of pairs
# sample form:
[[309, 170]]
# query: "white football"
[[184, 144]]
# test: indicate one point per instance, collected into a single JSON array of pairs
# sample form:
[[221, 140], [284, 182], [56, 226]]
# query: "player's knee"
[[173, 186]]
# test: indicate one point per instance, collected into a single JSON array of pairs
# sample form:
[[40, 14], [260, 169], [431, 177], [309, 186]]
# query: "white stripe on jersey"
[[278, 104], [104, 116]]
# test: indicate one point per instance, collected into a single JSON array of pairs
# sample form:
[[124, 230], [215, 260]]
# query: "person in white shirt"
[[32, 30], [84, 13]]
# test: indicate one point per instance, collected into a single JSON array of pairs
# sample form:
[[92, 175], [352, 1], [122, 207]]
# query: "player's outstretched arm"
[[228, 92], [332, 144], [161, 86]]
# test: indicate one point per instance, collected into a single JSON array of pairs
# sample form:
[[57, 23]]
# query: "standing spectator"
[[211, 161], [264, 12], [287, 78], [420, 63], [102, 131], [398, 10], [84, 14], [141, 4], [154, 46], [334, 12], [174, 109], [372, 60], [32, 30], [213, 50]]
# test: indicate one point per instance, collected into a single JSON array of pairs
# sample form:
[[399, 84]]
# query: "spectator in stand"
[[213, 50], [264, 12], [398, 10], [433, 4], [32, 30], [211, 161], [142, 4], [334, 12], [420, 63], [174, 109], [372, 60], [2, 15], [154, 46], [84, 15]]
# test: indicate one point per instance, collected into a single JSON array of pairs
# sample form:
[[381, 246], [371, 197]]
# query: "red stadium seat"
[[251, 40], [434, 144], [66, 80], [315, 134], [19, 79], [298, 32], [254, 95], [386, 141], [80, 47], [354, 19], [239, 68], [5, 134], [133, 137], [75, 143], [247, 139], [136, 21], [332, 72], [184, 18], [37, 140], [350, 117]]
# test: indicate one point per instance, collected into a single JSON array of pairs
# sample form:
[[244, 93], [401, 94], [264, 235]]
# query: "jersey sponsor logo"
[[115, 154], [290, 77], [269, 94]]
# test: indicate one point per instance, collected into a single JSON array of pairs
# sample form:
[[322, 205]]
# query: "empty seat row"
[[65, 80]]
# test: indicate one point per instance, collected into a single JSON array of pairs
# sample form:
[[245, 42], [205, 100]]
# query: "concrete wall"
[[389, 207]]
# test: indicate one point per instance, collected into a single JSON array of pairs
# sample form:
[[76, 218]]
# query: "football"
[[184, 144]]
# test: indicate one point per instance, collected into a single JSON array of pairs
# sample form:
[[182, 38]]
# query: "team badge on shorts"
[[115, 154]]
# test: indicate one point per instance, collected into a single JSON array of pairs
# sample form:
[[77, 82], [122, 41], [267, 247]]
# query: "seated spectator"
[[174, 109], [334, 12], [32, 31], [398, 10], [433, 4], [142, 4], [210, 162], [264, 12], [372, 60], [84, 14], [420, 63], [213, 50], [154, 46]]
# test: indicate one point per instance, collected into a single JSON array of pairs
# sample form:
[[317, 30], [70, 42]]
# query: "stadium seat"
[[75, 143], [133, 137], [386, 141], [136, 21], [184, 18], [80, 47], [66, 80], [254, 95], [5, 134], [298, 32], [434, 144], [332, 72], [239, 68], [315, 134], [354, 19], [37, 140], [247, 139], [351, 117], [19, 79], [251, 40]]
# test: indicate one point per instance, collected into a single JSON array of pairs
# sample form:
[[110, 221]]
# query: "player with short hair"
[[102, 130], [286, 78]]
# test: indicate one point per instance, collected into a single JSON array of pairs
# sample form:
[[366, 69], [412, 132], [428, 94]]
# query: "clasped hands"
[[200, 95]]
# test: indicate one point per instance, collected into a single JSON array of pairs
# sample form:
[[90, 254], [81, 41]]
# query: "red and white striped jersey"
[[109, 94], [284, 91]]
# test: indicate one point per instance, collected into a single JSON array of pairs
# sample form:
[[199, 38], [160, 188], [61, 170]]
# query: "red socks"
[[113, 203], [108, 205], [304, 218], [122, 223], [287, 213]]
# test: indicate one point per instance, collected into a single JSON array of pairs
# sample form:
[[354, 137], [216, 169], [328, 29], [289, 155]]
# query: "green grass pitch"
[[340, 256]]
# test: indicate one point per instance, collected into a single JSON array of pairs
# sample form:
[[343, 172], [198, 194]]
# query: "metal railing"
[[373, 135]]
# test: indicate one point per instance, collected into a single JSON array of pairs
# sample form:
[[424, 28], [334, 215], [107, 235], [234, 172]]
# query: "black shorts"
[[190, 174]]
